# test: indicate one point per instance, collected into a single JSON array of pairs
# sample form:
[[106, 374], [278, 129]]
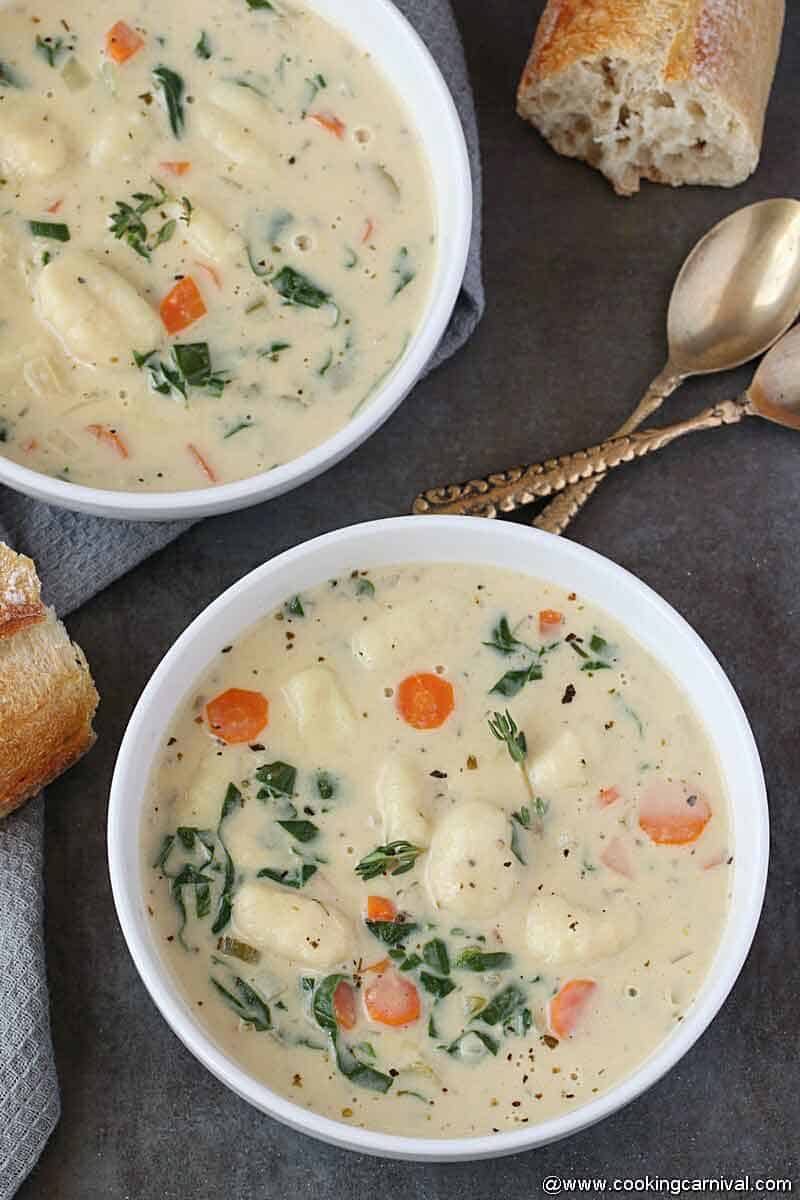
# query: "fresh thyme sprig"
[[505, 729], [393, 859]]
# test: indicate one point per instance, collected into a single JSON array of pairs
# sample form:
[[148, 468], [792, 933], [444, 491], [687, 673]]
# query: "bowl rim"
[[749, 886], [444, 290]]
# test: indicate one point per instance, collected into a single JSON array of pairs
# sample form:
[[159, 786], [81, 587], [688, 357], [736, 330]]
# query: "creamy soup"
[[439, 850], [216, 238]]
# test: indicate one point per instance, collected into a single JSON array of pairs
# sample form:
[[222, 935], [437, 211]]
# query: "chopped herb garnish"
[[294, 607], [505, 729], [595, 664], [49, 229], [170, 85], [246, 1003], [364, 587], [238, 427], [126, 222], [203, 47], [279, 779], [273, 350], [296, 878], [394, 859], [51, 49], [472, 958], [503, 639], [261, 4]]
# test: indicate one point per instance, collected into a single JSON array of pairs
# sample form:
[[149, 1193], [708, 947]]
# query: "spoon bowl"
[[738, 291], [775, 391]]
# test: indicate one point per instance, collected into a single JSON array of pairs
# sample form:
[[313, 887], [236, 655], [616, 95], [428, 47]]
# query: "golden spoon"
[[736, 294], [774, 394]]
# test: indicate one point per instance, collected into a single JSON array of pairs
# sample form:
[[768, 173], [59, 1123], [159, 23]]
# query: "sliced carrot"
[[30, 445], [344, 1005], [369, 229], [330, 122], [212, 271], [607, 796], [550, 622], [55, 206], [237, 715], [616, 858], [122, 42], [380, 909], [176, 168], [672, 815], [109, 437], [568, 1006], [378, 967], [392, 999], [202, 463], [425, 701], [182, 306]]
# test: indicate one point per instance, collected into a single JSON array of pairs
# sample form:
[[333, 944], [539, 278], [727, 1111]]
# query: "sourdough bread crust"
[[712, 59], [47, 696]]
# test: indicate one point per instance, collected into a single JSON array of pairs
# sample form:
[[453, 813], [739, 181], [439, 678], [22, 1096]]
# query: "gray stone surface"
[[578, 282]]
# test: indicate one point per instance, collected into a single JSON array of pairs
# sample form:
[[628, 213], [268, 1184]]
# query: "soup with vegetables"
[[438, 850], [216, 238]]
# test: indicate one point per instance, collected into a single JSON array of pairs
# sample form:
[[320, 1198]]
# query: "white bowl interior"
[[402, 56], [419, 539]]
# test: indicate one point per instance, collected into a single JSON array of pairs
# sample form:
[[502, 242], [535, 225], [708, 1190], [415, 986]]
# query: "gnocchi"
[[562, 934], [294, 927], [471, 871], [96, 314], [33, 142]]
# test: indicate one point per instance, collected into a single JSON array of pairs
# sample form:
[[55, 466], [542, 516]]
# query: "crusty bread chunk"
[[674, 91], [47, 697]]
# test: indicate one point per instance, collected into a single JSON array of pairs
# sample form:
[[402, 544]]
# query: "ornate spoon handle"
[[556, 516], [509, 490]]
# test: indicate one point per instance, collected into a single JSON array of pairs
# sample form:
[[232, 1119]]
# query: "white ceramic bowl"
[[404, 59], [442, 539]]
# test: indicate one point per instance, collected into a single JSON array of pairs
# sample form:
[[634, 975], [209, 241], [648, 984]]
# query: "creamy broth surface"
[[216, 238], [560, 889]]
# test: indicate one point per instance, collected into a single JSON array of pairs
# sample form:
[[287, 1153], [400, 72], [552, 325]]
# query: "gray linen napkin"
[[78, 556]]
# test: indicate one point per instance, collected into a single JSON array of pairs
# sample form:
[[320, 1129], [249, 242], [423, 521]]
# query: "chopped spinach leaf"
[[279, 779], [295, 607], [246, 1003], [190, 367], [298, 289], [436, 956], [302, 831], [598, 645], [470, 1035], [326, 786], [403, 270], [392, 932], [405, 962], [233, 948], [49, 229], [595, 664], [322, 1009], [298, 878], [472, 958], [273, 350], [514, 681], [261, 4], [232, 801], [519, 1023], [170, 85], [393, 859], [365, 587], [502, 1006], [436, 985]]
